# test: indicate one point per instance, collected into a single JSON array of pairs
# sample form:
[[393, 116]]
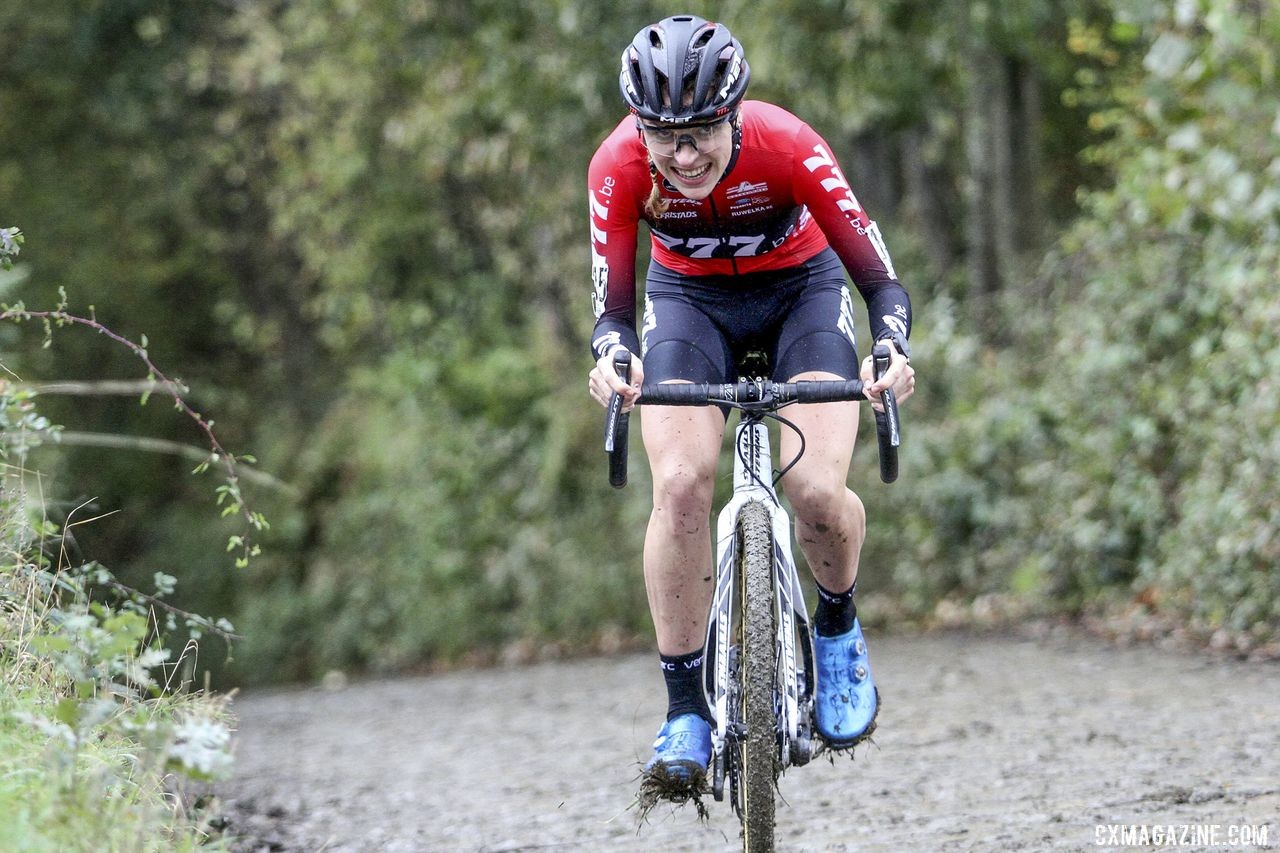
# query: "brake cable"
[[750, 409]]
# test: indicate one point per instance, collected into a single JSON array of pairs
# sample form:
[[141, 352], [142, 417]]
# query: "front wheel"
[[757, 676]]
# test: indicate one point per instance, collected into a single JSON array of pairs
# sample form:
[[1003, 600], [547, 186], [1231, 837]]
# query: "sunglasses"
[[705, 138]]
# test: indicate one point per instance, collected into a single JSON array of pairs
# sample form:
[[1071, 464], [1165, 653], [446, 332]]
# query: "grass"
[[94, 756], [108, 797], [105, 805]]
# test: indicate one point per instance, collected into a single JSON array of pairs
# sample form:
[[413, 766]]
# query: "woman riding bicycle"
[[753, 226]]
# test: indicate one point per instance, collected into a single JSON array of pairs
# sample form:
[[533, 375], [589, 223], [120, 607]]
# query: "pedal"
[[804, 747], [801, 750]]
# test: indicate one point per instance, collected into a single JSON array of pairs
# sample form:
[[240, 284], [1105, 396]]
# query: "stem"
[[177, 611]]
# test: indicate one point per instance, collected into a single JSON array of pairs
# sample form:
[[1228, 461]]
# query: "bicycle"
[[759, 678]]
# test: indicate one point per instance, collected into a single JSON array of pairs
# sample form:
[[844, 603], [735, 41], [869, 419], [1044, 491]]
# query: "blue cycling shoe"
[[847, 701], [682, 749]]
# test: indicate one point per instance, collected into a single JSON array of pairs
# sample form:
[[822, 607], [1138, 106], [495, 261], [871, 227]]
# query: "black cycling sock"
[[835, 613], [683, 674]]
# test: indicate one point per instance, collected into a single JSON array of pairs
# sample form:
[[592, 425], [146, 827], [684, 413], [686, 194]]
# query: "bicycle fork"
[[793, 679]]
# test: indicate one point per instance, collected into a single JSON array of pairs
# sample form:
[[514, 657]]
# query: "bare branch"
[[106, 388], [163, 445], [229, 493]]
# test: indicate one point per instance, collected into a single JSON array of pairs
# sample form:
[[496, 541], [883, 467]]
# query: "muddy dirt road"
[[984, 744]]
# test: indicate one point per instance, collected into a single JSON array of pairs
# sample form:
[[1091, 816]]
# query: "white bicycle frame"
[[753, 481]]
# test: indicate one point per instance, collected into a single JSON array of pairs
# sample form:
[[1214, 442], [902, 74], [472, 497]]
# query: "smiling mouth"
[[694, 175]]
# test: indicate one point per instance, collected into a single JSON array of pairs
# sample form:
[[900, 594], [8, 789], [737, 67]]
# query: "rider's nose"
[[686, 154]]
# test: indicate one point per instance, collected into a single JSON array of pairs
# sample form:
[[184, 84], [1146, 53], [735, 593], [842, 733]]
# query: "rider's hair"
[[655, 205]]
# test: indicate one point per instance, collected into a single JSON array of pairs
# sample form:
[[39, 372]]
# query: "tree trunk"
[[1030, 158], [925, 201], [980, 190], [1000, 144], [872, 175]]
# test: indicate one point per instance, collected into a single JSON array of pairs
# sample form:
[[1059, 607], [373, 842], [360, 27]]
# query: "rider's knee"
[[684, 492], [824, 500]]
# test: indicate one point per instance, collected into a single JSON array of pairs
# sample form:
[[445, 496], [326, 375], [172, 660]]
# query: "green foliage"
[[446, 550], [362, 226], [11, 240], [88, 723], [117, 805], [1127, 441], [21, 425], [974, 454], [1179, 261]]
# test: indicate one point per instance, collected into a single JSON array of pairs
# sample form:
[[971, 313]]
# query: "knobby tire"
[[757, 672]]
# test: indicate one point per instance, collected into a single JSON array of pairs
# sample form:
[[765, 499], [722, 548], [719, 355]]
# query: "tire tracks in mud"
[[984, 743]]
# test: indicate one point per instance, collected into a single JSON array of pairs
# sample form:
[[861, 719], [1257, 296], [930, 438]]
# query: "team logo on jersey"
[[598, 201], [897, 321], [681, 201], [895, 324], [746, 188], [873, 234], [835, 182], [598, 209], [599, 282]]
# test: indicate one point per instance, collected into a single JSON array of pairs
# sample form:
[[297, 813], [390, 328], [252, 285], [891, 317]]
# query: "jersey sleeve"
[[821, 186], [614, 225]]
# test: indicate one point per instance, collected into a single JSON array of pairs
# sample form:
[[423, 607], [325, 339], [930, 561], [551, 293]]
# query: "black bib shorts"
[[699, 328]]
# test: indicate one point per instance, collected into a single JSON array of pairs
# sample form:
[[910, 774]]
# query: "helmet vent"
[[683, 69]]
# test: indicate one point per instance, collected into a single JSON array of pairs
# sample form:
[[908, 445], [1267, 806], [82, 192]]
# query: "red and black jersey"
[[782, 199]]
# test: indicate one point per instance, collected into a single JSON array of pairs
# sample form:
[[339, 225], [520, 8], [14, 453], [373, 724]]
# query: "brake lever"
[[617, 424]]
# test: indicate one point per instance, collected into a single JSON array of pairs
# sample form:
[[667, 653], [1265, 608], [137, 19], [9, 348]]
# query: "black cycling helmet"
[[679, 57]]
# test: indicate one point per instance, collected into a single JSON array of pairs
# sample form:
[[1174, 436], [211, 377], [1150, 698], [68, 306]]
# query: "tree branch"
[[162, 445], [218, 454], [104, 388]]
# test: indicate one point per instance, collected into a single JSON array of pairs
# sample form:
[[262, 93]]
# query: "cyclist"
[[753, 226]]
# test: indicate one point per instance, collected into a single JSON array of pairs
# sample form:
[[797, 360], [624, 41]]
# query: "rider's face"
[[692, 159]]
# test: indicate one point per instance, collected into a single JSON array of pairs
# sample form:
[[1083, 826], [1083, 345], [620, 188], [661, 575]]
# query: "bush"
[[1125, 445], [99, 735], [450, 512]]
